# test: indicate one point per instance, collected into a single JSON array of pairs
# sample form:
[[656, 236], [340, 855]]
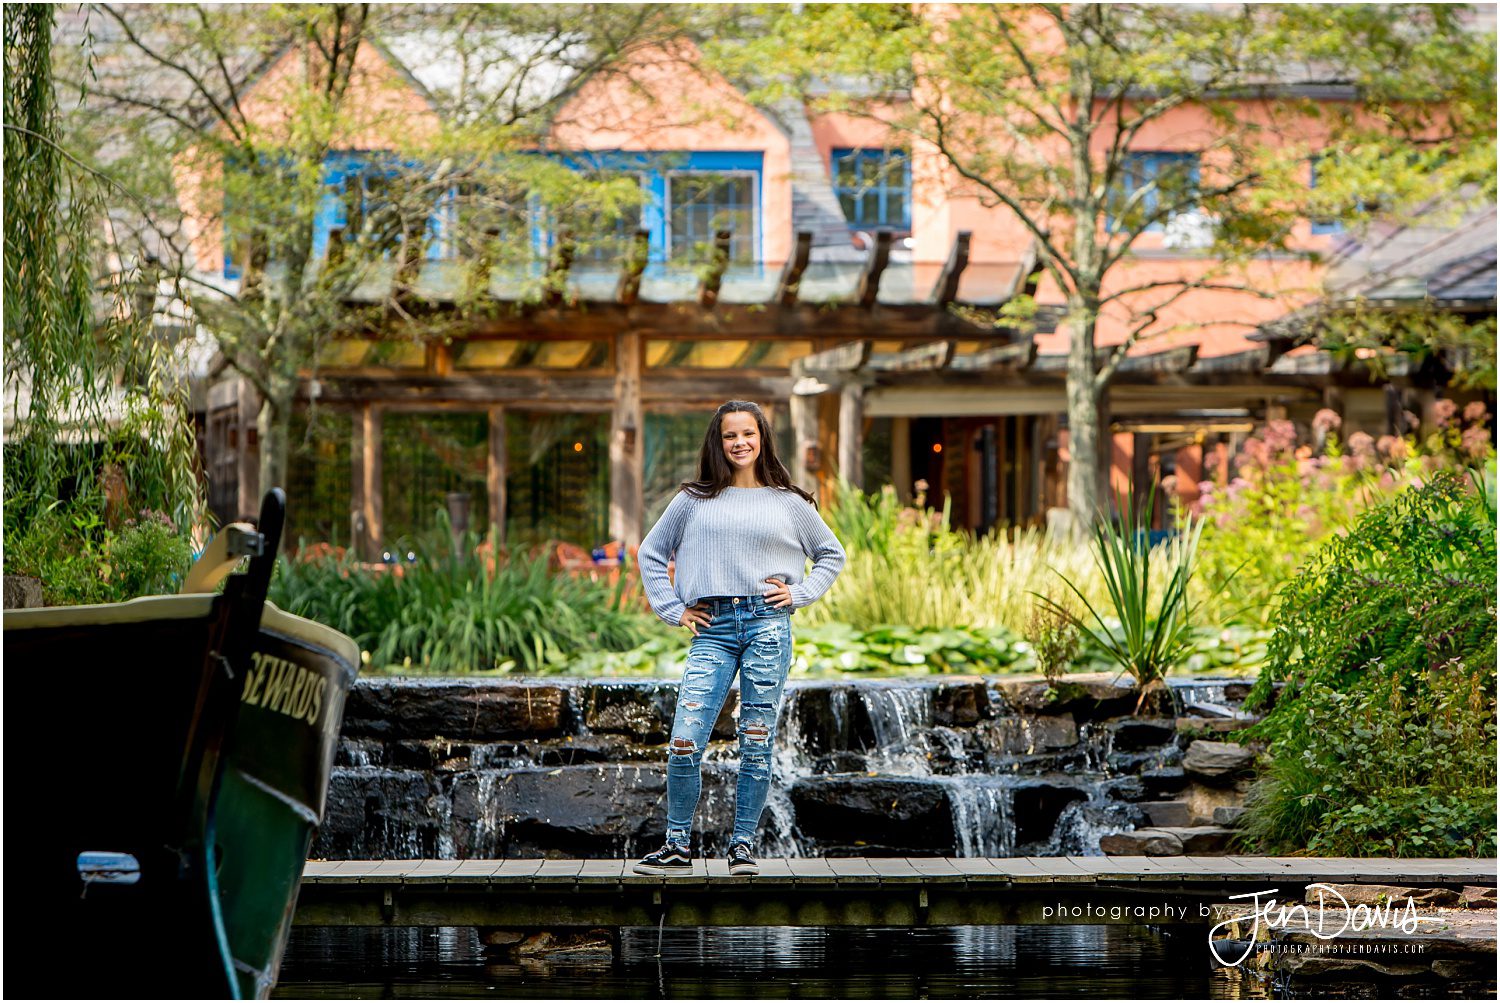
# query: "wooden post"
[[627, 465], [495, 473], [901, 457], [803, 411], [851, 429], [371, 501]]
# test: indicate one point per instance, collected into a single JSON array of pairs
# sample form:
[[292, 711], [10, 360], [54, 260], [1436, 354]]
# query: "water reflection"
[[763, 963]]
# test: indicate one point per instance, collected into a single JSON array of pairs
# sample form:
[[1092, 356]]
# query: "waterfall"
[[854, 762]]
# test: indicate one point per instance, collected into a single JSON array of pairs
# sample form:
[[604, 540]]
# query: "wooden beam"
[[791, 274], [851, 433], [495, 470], [1018, 355], [936, 355], [1172, 361], [840, 359], [372, 516], [945, 291], [627, 469], [1030, 274], [708, 289], [869, 279], [629, 288], [556, 392], [804, 461]]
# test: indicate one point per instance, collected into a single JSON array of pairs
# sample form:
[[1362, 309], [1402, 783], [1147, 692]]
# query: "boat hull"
[[107, 785]]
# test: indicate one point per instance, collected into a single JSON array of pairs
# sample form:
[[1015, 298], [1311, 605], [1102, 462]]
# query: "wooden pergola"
[[840, 344]]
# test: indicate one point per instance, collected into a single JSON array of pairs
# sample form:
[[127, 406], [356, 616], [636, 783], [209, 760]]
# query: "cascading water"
[[891, 767]]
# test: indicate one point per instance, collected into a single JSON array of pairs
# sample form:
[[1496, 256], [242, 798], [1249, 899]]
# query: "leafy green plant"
[[1153, 635], [1382, 740], [454, 612], [148, 557], [907, 565], [1054, 640]]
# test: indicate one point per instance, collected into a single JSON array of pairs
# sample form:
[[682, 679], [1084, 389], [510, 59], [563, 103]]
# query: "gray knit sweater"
[[729, 545]]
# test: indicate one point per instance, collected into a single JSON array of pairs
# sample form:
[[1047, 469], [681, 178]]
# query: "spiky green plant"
[[1155, 632]]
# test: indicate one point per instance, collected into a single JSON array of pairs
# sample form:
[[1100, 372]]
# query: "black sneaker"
[[740, 861], [670, 859]]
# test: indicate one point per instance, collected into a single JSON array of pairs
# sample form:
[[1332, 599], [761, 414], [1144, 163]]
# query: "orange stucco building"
[[857, 298]]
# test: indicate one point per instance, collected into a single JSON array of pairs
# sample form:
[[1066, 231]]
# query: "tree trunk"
[[1087, 414]]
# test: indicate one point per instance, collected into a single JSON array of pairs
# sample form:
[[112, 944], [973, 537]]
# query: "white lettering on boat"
[[285, 687]]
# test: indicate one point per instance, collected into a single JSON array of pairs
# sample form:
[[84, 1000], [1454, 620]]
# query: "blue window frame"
[[357, 185], [1156, 167], [689, 195], [873, 187], [1321, 226]]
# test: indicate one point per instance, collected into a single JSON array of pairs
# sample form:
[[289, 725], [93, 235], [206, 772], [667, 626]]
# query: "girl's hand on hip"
[[780, 595], [693, 618]]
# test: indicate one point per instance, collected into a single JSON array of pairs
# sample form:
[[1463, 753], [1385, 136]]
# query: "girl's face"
[[740, 436]]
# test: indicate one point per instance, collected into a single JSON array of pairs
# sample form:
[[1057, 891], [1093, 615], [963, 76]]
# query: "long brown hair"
[[714, 471]]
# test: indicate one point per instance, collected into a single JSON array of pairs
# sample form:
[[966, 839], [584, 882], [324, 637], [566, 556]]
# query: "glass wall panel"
[[557, 478], [318, 477], [425, 456]]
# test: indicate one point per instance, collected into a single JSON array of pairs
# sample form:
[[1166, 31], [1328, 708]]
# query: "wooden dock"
[[856, 891]]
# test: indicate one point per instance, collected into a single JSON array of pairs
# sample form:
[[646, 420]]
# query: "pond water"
[[997, 962]]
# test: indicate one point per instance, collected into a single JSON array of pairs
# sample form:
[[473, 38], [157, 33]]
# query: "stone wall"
[[935, 766]]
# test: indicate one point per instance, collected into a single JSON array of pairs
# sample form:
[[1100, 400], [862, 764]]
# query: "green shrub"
[[907, 565], [1383, 740], [1287, 498], [81, 562], [451, 613]]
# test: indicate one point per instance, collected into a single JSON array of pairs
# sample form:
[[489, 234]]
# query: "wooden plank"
[[474, 871], [495, 471], [553, 872], [869, 279], [851, 433], [854, 871], [945, 291], [1061, 869], [627, 444], [791, 275], [1113, 868], [938, 870], [844, 358], [391, 872], [896, 871], [1018, 355], [930, 357], [518, 871], [601, 871], [810, 871], [776, 869], [431, 871], [1020, 869]]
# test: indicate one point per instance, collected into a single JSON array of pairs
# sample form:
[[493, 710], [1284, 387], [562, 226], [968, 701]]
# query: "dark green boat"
[[170, 810]]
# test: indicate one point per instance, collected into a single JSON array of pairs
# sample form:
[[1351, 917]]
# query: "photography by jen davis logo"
[[1327, 918]]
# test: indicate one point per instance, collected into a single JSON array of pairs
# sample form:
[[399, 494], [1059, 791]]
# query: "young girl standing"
[[741, 534]]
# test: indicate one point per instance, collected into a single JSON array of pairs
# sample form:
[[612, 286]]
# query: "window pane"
[[704, 203], [895, 207], [425, 456], [557, 478], [318, 477]]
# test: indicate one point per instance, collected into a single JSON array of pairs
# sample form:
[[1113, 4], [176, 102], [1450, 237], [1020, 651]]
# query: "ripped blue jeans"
[[753, 639]]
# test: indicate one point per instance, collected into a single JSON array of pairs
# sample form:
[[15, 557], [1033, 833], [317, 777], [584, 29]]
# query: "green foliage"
[[1286, 499], [80, 561], [1383, 740], [453, 614], [82, 450], [907, 565], [1054, 638], [1152, 637]]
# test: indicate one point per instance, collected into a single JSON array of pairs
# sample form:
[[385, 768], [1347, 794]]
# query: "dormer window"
[[874, 188]]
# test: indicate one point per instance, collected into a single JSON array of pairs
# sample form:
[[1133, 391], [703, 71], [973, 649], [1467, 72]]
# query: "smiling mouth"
[[742, 452]]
